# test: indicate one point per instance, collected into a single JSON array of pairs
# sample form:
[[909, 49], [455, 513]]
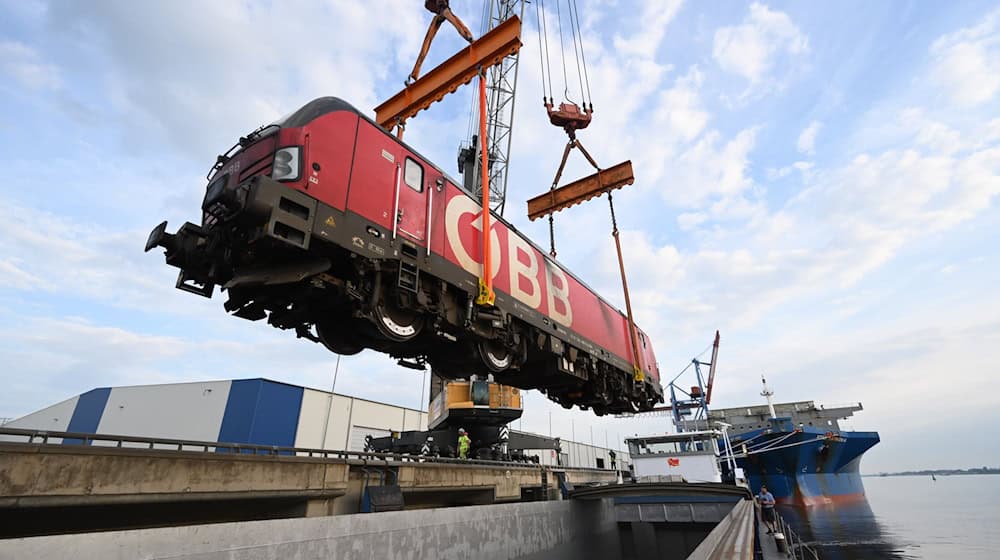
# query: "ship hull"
[[805, 467]]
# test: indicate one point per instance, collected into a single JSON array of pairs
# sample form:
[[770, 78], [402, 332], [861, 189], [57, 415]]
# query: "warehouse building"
[[254, 411]]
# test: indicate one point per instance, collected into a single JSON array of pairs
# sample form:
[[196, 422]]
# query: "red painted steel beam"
[[711, 368], [603, 181], [487, 51]]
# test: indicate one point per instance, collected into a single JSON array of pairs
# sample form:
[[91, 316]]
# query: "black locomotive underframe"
[[335, 278]]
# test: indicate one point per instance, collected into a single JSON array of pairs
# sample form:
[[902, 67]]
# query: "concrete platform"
[[48, 488]]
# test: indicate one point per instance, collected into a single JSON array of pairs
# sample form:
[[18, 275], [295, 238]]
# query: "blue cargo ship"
[[798, 450]]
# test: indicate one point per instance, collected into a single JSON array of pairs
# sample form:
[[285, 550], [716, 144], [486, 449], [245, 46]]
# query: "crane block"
[[582, 190], [489, 50]]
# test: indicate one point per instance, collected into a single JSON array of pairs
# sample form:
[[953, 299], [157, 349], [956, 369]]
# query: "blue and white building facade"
[[254, 411]]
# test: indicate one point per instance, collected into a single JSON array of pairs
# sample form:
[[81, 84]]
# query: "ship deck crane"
[[696, 398]]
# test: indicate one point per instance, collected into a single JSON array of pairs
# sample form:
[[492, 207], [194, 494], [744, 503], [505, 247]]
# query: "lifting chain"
[[614, 222], [552, 236]]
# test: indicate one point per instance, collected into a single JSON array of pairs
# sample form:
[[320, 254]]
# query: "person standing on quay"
[[463, 444], [766, 500]]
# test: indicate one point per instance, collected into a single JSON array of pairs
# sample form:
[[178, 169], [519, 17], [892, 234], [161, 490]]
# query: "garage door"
[[358, 434]]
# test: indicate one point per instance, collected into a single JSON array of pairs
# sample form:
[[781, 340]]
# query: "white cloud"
[[931, 134], [966, 63], [12, 276], [198, 76], [75, 355], [712, 166], [651, 26], [80, 260], [681, 113], [690, 220], [844, 223], [751, 48], [806, 143], [803, 167], [24, 65]]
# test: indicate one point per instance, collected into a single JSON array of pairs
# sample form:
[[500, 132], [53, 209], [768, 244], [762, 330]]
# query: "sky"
[[818, 181]]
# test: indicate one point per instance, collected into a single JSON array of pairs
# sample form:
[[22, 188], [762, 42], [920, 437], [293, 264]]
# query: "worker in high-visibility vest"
[[463, 444]]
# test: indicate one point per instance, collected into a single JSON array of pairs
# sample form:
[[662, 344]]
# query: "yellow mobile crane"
[[485, 408], [482, 407]]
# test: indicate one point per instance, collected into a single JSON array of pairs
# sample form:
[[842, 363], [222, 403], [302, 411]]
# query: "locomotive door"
[[411, 197]]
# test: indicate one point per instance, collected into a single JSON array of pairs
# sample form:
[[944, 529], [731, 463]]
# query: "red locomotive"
[[326, 224]]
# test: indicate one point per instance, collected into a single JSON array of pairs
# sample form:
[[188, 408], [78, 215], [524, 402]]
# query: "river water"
[[908, 518]]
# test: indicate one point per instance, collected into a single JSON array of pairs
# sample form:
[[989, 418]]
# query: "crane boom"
[[711, 369]]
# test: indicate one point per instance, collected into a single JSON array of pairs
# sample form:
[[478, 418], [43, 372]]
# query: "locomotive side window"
[[413, 175]]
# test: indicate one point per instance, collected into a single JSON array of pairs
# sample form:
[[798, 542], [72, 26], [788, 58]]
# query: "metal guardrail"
[[139, 443], [797, 549]]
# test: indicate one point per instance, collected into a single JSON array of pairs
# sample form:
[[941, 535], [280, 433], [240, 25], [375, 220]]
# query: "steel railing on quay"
[[140, 443], [796, 548]]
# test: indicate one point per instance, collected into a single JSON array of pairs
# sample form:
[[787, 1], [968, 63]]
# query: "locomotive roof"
[[329, 104]]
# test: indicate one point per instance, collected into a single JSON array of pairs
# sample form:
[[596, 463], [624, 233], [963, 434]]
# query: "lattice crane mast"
[[501, 88]]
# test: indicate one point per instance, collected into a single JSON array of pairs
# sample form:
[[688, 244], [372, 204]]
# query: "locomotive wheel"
[[338, 339], [495, 356], [397, 325]]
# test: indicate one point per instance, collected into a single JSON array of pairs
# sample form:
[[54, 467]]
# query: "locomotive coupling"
[[160, 238], [181, 246], [185, 250], [260, 212]]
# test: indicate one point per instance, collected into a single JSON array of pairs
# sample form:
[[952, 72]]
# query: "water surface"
[[908, 518]]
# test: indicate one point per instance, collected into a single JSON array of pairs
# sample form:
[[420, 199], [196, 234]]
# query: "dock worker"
[[463, 444], [442, 12], [612, 456], [766, 500]]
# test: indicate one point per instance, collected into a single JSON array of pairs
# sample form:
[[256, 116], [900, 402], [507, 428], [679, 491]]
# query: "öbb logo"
[[532, 279]]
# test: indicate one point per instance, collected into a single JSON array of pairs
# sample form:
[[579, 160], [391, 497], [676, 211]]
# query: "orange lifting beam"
[[595, 185], [487, 51]]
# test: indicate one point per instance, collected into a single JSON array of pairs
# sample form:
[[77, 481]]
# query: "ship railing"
[[833, 406], [797, 549]]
